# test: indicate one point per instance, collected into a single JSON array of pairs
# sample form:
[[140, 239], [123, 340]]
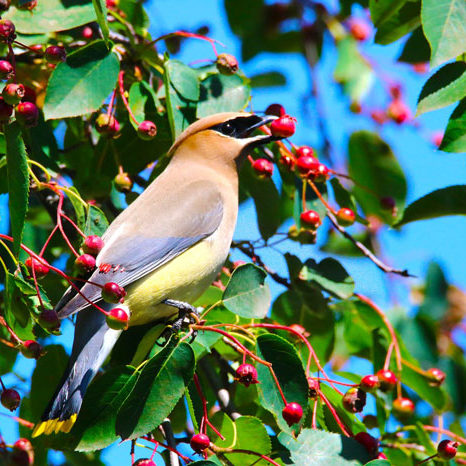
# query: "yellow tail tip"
[[54, 426]]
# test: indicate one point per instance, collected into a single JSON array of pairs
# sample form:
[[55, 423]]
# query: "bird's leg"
[[184, 310]]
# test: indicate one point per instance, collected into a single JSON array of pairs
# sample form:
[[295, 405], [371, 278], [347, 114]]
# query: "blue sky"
[[426, 168]]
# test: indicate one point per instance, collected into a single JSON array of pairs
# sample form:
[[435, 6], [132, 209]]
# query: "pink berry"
[[370, 443], [6, 69], [113, 293], [31, 349], [10, 399], [436, 377], [117, 319], [85, 263], [27, 114], [381, 456], [13, 93], [246, 374], [346, 217], [379, 116], [421, 68], [7, 30], [292, 413], [359, 29], [93, 245], [147, 130], [398, 111], [310, 219], [369, 383], [199, 442], [227, 64], [87, 32], [55, 54], [276, 110], [447, 449], [283, 127], [41, 269], [263, 168], [437, 138], [387, 380], [48, 319]]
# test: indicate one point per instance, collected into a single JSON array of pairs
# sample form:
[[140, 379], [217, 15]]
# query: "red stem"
[[174, 450], [192, 36], [44, 247], [121, 77], [59, 223], [343, 428], [74, 224], [110, 105]]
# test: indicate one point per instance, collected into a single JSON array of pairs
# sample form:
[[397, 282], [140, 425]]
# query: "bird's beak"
[[253, 122]]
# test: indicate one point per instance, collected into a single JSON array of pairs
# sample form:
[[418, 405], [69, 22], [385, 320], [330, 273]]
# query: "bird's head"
[[226, 136]]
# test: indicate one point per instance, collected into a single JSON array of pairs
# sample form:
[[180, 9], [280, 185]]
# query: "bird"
[[165, 249]]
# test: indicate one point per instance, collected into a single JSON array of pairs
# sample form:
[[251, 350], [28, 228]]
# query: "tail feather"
[[93, 341]]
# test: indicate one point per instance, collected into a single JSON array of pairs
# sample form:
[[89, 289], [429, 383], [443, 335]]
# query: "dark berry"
[[4, 5], [117, 319], [7, 30], [147, 130], [263, 168], [287, 161], [310, 219], [283, 127], [23, 453], [276, 110], [292, 413], [13, 93], [93, 245], [30, 96], [113, 293], [31, 349], [403, 408], [436, 377], [369, 383], [85, 263], [48, 319], [354, 400], [10, 399], [447, 449], [123, 182], [346, 217], [370, 443], [246, 374], [227, 64], [370, 421], [387, 380], [6, 69], [387, 203], [27, 114], [199, 442], [55, 54], [41, 269]]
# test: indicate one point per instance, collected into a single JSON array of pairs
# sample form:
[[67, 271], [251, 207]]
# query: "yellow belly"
[[184, 278]]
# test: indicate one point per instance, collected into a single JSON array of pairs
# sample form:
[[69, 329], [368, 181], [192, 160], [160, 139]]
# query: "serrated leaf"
[[52, 16], [444, 24], [18, 182], [320, 448], [438, 203], [184, 79], [96, 222], [330, 275], [246, 293], [160, 385], [445, 87], [82, 83], [454, 139]]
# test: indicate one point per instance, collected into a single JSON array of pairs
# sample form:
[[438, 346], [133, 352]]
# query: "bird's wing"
[[148, 236]]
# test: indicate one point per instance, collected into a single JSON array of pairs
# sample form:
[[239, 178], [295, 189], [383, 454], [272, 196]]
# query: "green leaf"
[[96, 222], [100, 8], [268, 79], [454, 139], [220, 93], [95, 426], [445, 87], [416, 48], [377, 174], [184, 79], [438, 203], [246, 293], [52, 16], [406, 19], [444, 23], [142, 101], [383, 10], [379, 463], [82, 83], [160, 385], [330, 275], [352, 70], [18, 182], [289, 371], [320, 448], [79, 208]]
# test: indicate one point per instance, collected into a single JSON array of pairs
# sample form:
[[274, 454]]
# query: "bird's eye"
[[228, 129]]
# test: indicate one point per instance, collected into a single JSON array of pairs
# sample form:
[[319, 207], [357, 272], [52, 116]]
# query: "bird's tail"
[[93, 341]]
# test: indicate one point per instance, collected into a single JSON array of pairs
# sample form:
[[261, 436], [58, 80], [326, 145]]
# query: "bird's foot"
[[187, 314]]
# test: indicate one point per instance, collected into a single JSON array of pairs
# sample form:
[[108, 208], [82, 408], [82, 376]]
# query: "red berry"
[[6, 69], [41, 269], [87, 32], [7, 30], [144, 462], [437, 138], [421, 68], [111, 4], [381, 456], [306, 163], [263, 168], [436, 376], [85, 263], [117, 319], [369, 383], [398, 111], [354, 400], [227, 64], [5, 110], [292, 413], [31, 349], [199, 442], [447, 449], [283, 127], [23, 453], [387, 380], [346, 217], [305, 151], [27, 114], [13, 93], [310, 219], [276, 110], [55, 54], [48, 319], [359, 29], [287, 161], [106, 124], [123, 182], [403, 408], [10, 399], [92, 245], [366, 440], [113, 293], [246, 374], [379, 116], [147, 130], [370, 421]]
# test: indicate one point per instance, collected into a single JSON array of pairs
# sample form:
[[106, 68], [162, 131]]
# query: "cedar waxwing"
[[167, 246]]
